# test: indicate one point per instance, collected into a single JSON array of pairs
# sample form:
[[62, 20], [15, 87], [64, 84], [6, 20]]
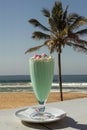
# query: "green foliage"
[[40, 35], [64, 29]]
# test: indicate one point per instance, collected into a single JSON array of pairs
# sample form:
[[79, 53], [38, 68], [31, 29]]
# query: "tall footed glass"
[[41, 72]]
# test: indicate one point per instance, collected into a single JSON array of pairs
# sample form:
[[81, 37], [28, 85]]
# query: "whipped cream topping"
[[42, 57]]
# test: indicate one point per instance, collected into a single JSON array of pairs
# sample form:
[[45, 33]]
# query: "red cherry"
[[38, 57], [35, 56], [44, 55]]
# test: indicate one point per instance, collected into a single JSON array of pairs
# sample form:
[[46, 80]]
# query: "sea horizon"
[[21, 83]]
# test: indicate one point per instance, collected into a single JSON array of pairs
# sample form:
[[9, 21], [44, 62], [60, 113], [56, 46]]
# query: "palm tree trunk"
[[59, 74]]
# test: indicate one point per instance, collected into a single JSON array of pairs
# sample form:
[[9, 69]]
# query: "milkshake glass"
[[41, 72]]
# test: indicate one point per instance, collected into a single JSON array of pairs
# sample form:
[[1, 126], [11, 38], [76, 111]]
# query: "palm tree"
[[64, 30]]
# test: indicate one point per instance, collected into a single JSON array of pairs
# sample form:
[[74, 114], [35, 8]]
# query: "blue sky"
[[16, 32]]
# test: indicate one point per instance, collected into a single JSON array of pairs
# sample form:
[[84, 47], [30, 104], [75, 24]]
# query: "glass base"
[[41, 116]]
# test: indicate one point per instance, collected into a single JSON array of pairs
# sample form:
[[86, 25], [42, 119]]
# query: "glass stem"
[[41, 107]]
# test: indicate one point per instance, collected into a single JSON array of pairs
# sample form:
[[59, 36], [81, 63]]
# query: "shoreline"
[[27, 87], [10, 100]]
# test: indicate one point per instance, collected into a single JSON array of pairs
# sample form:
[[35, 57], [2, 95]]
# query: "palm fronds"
[[34, 48], [82, 32], [72, 17], [40, 35], [46, 13], [78, 22], [81, 42], [36, 23], [77, 47]]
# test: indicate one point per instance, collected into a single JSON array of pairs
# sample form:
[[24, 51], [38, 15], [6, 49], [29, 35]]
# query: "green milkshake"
[[41, 71]]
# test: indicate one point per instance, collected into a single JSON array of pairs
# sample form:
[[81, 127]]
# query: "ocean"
[[22, 83]]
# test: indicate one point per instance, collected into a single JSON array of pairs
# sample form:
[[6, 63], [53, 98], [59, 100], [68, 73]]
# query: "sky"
[[16, 32]]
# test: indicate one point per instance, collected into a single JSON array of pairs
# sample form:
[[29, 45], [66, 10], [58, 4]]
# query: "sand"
[[21, 99]]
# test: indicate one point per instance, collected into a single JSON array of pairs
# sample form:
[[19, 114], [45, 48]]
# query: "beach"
[[10, 100], [16, 91]]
